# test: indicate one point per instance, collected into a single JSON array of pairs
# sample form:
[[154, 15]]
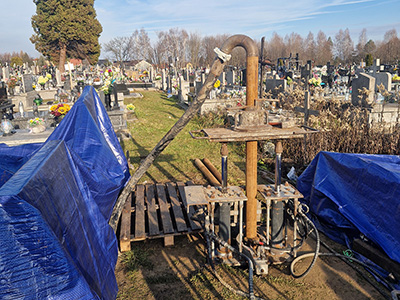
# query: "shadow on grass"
[[162, 158], [167, 273]]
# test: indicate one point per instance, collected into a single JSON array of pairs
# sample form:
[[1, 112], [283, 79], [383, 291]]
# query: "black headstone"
[[3, 93], [121, 88]]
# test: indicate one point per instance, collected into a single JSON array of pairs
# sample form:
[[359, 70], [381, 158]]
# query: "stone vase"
[[37, 129]]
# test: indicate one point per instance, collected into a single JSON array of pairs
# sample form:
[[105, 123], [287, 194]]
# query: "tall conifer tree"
[[66, 29]]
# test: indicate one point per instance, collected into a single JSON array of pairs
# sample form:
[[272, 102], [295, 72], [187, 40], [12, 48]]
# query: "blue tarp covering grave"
[[55, 202], [353, 194]]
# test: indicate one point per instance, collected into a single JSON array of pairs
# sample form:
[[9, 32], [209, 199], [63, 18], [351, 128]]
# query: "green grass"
[[156, 115], [135, 259]]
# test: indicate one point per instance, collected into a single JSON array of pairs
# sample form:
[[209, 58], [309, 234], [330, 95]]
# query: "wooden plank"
[[168, 240], [164, 210], [125, 236], [152, 210], [193, 224], [176, 208], [139, 212], [264, 133]]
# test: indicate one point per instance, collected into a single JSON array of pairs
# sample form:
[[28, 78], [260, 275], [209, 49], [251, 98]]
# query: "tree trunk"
[[63, 56]]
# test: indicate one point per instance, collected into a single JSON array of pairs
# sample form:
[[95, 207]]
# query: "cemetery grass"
[[156, 114], [152, 271]]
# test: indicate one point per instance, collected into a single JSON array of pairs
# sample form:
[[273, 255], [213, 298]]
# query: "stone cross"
[[306, 109]]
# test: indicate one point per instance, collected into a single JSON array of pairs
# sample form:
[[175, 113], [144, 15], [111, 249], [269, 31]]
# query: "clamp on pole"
[[221, 55]]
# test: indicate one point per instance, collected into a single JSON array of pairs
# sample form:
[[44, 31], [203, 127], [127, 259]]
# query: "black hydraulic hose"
[[347, 261], [225, 244], [348, 258], [314, 254], [345, 258]]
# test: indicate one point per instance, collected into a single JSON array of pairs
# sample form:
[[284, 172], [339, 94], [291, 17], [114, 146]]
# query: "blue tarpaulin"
[[353, 194], [55, 202]]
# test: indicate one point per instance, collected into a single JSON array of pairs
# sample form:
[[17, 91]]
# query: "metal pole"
[[277, 215], [224, 167], [251, 152], [278, 166]]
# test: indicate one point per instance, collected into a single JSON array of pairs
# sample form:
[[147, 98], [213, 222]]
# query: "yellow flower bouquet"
[[60, 109]]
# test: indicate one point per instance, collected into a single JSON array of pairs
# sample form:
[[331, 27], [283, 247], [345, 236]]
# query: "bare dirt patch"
[[181, 272]]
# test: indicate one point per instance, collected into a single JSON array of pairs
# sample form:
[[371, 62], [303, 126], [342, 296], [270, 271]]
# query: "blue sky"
[[256, 18]]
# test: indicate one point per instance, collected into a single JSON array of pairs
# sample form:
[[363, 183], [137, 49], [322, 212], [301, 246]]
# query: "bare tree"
[[343, 46], [324, 48], [310, 47], [193, 54], [174, 43], [294, 44], [362, 41], [120, 49], [209, 43], [276, 47], [141, 48], [389, 50]]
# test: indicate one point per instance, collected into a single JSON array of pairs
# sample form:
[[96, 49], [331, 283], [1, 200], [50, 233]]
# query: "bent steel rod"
[[216, 70]]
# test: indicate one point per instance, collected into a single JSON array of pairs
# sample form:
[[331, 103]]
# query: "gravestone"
[[230, 77], [67, 84], [186, 74], [6, 73], [363, 81], [3, 93], [121, 88], [58, 78], [151, 74], [184, 89], [384, 78], [163, 80], [27, 81], [275, 85], [203, 78], [222, 78], [197, 87]]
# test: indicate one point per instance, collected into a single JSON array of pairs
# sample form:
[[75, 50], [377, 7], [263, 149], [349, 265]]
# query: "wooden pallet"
[[156, 211]]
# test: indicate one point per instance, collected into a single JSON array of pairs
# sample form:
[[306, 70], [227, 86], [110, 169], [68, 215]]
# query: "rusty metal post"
[[251, 152]]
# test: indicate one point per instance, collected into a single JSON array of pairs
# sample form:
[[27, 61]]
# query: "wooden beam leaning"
[[215, 72]]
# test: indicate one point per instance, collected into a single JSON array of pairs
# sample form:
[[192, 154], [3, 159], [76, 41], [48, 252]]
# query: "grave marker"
[[27, 82], [306, 109], [363, 81]]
